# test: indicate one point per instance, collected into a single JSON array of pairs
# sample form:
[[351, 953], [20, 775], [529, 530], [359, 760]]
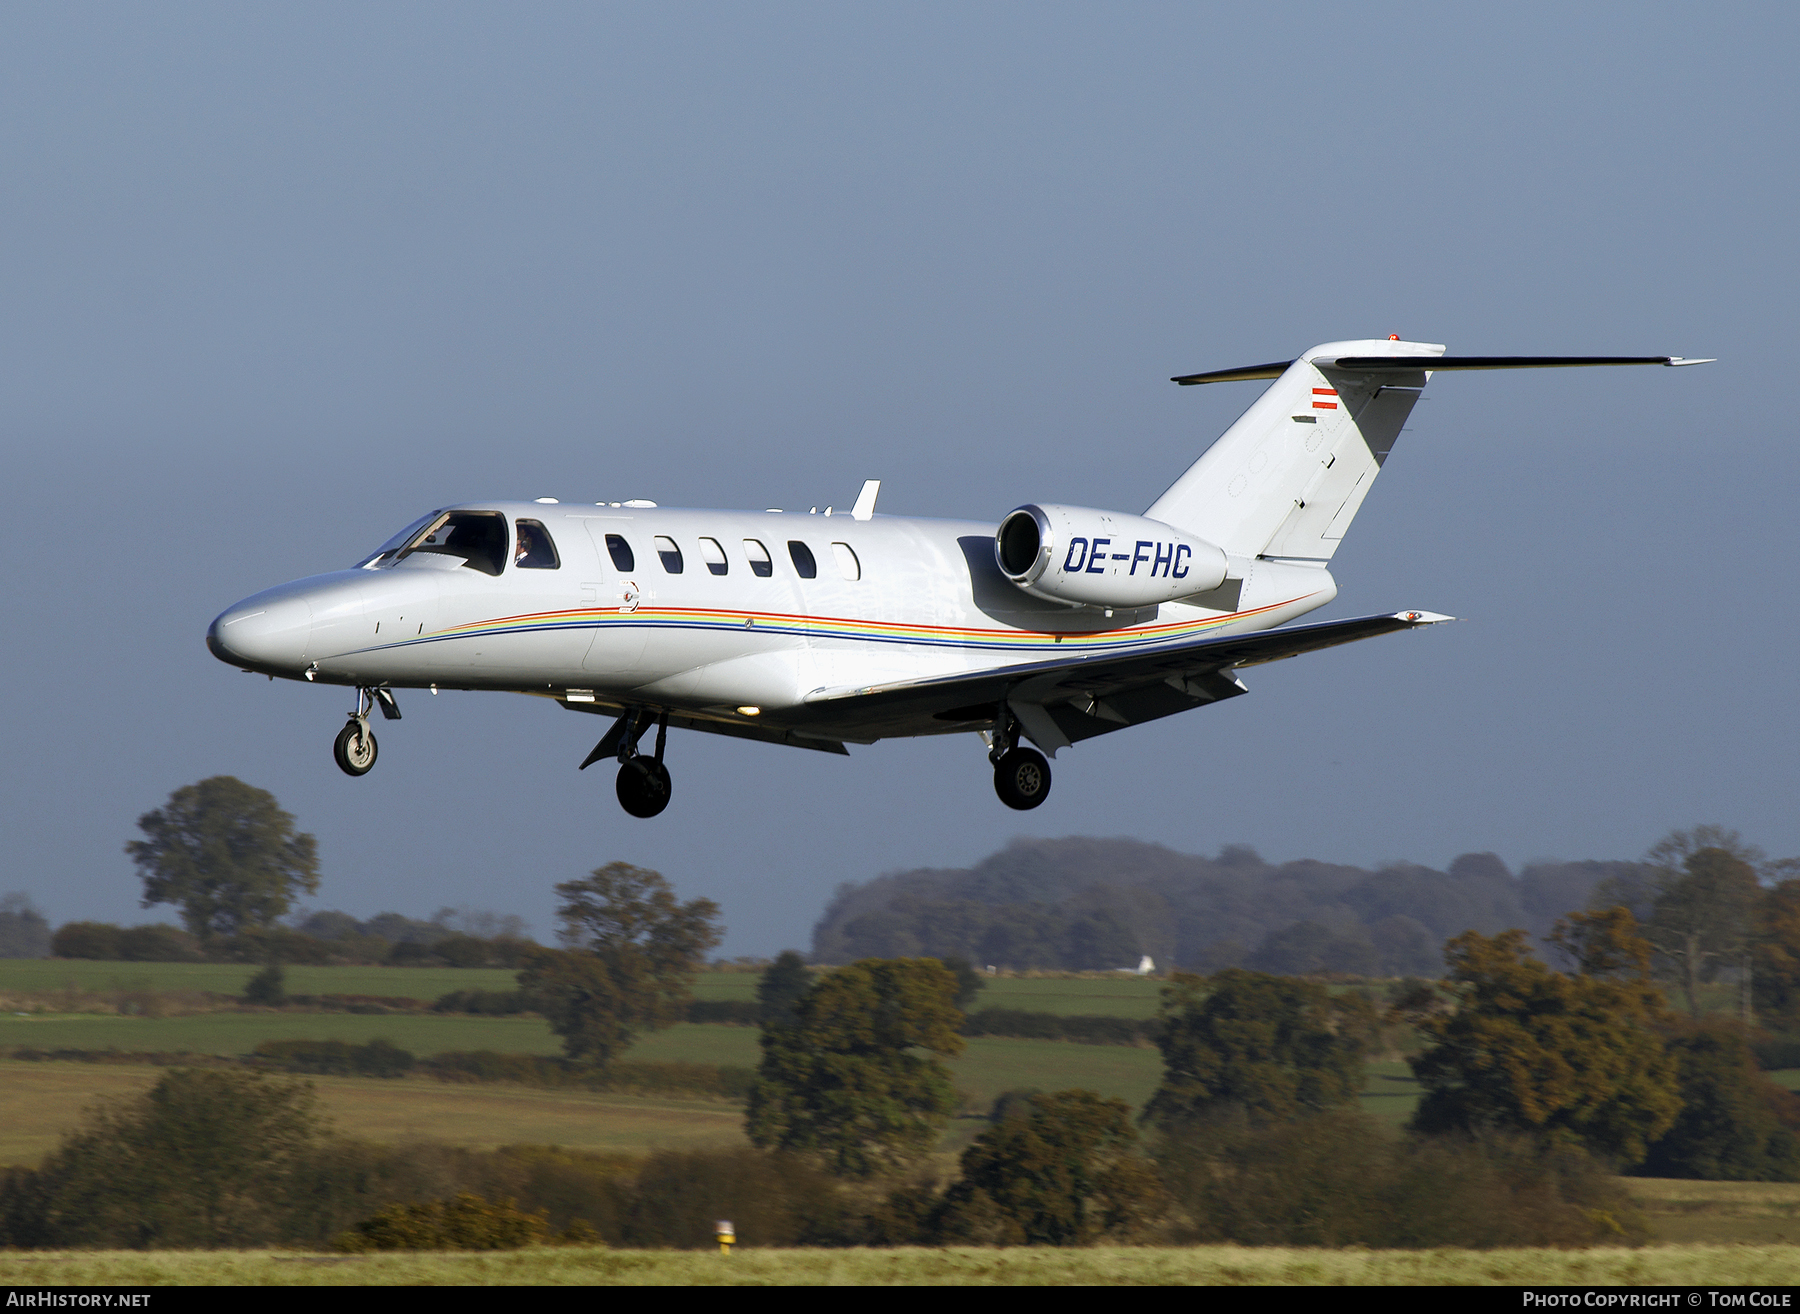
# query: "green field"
[[1693, 1266], [1124, 996], [239, 1033], [39, 1102], [425, 983]]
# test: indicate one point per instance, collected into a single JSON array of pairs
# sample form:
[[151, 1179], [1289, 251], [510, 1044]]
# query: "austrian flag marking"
[[1325, 399]]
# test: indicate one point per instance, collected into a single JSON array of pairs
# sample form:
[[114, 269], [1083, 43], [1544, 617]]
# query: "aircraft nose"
[[264, 634]]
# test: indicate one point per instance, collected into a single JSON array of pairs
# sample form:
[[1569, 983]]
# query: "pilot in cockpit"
[[526, 545]]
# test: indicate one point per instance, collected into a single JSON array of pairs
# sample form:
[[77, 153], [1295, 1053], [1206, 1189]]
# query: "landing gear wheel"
[[354, 748], [644, 786], [1022, 778]]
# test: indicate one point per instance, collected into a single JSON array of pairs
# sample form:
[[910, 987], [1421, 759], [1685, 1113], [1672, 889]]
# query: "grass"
[[1125, 996], [1743, 1213], [1763, 1266], [239, 1033], [424, 983], [41, 1101]]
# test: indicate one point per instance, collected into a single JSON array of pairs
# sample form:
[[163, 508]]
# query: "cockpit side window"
[[533, 548], [478, 537]]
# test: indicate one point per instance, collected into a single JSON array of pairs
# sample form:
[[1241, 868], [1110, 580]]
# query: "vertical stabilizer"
[[1288, 477]]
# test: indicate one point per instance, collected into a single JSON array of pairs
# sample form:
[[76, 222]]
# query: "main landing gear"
[[1021, 775], [643, 785], [355, 747]]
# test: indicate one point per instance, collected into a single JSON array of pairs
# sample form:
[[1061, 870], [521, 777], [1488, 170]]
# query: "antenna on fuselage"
[[865, 500]]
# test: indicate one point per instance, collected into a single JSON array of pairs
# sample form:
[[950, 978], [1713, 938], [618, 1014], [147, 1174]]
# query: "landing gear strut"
[[643, 785], [355, 747], [1021, 775]]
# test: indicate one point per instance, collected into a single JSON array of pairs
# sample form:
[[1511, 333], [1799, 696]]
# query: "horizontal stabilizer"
[[1399, 364], [1405, 364]]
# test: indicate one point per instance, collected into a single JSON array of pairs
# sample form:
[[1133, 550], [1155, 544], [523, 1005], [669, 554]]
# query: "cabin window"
[[760, 565], [848, 566], [804, 565], [478, 537], [714, 556], [533, 548], [670, 554], [620, 552]]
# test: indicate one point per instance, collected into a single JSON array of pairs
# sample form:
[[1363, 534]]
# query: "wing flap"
[[1088, 696]]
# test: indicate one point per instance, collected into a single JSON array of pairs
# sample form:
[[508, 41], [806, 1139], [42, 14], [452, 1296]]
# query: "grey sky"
[[276, 279]]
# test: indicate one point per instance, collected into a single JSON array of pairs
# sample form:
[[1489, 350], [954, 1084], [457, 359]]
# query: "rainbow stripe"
[[790, 626]]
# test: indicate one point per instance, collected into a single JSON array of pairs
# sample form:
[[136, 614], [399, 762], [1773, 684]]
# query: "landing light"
[[749, 711]]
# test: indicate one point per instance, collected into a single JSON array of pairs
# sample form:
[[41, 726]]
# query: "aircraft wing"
[[1064, 701]]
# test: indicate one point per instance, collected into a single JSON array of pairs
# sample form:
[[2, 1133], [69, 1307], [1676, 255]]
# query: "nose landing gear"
[[1021, 775], [355, 747]]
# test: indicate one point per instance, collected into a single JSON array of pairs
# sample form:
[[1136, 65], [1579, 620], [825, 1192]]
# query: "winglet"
[[865, 500], [1417, 619]]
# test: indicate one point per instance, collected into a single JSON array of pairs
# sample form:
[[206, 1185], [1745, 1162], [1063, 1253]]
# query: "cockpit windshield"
[[388, 551], [478, 537]]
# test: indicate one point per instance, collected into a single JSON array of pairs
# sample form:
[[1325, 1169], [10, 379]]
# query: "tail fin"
[[1288, 477]]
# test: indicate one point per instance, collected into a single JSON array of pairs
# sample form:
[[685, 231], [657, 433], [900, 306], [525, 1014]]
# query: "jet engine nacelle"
[[1079, 556]]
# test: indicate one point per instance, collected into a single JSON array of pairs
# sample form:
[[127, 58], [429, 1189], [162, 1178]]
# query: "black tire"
[[644, 786], [1022, 779], [355, 749]]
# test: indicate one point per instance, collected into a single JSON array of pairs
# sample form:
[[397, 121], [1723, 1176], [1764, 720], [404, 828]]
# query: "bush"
[[733, 1012], [336, 1058], [466, 1222], [157, 942], [707, 1080], [1054, 1170], [462, 951], [270, 944], [485, 1003], [268, 987], [774, 1200], [1775, 1052], [99, 940], [1084, 1029], [1342, 1179], [1729, 1127], [202, 1159]]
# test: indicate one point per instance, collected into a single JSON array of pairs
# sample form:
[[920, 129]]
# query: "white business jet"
[[1059, 624]]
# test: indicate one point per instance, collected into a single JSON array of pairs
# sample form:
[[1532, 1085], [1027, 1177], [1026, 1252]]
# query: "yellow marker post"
[[726, 1234]]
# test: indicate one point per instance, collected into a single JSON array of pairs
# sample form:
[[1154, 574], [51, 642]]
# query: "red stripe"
[[1324, 392], [1325, 406]]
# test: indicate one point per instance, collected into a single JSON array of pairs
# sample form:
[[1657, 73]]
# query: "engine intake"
[[1083, 557]]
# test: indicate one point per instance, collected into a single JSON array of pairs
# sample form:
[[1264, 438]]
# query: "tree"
[[1532, 1050], [1247, 1044], [780, 987], [202, 1159], [843, 1083], [23, 931], [969, 982], [226, 854], [1055, 1170], [1603, 944], [630, 962], [1702, 917], [1777, 955], [1696, 895], [1728, 1129]]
